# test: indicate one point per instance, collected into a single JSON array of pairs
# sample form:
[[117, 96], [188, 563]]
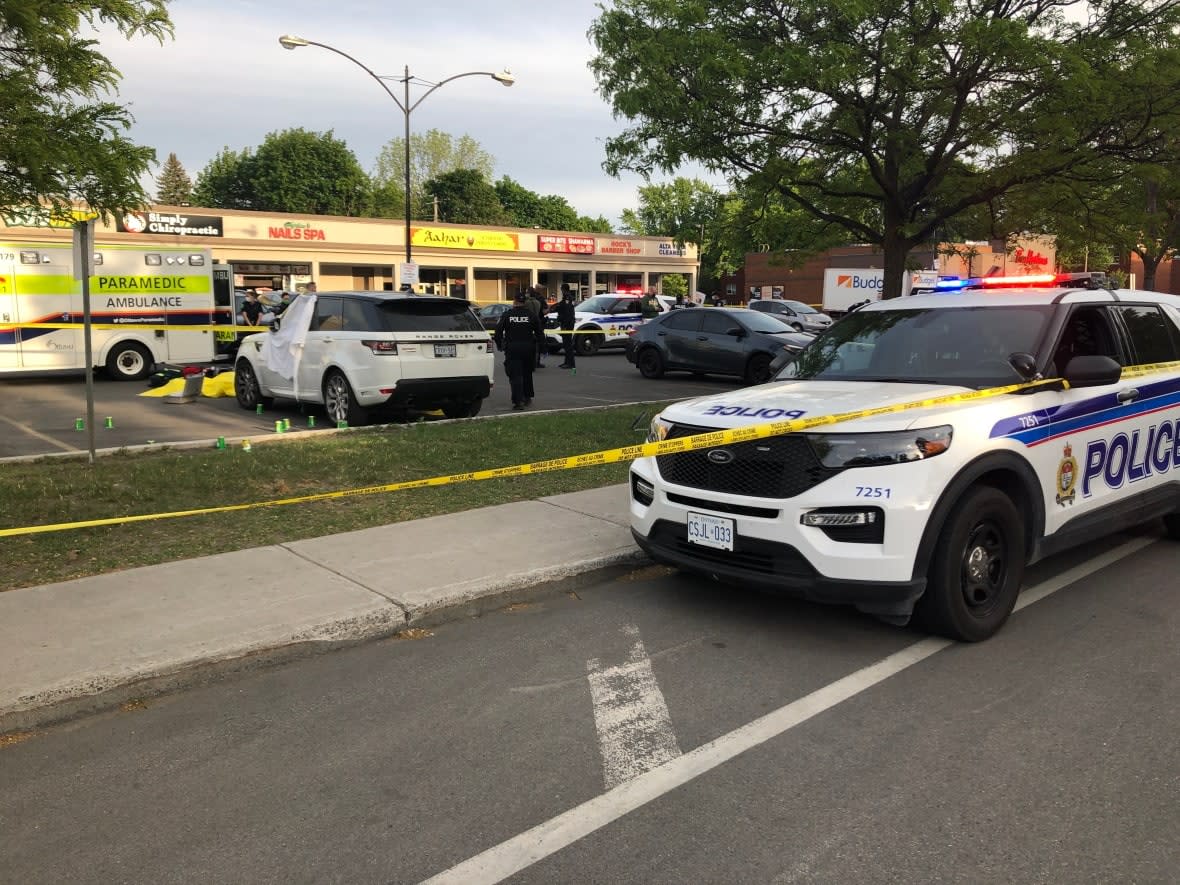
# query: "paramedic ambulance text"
[[1121, 459]]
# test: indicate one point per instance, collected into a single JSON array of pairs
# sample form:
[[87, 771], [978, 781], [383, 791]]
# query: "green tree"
[[173, 184], [227, 181], [891, 118], [673, 284], [688, 211], [308, 172], [62, 142], [432, 153], [589, 225], [467, 198]]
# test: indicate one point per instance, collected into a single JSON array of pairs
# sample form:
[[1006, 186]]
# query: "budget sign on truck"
[[844, 287], [156, 304]]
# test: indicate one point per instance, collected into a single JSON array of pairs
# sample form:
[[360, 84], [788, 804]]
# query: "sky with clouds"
[[224, 81]]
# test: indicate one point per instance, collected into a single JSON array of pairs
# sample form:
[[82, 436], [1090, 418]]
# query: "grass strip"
[[58, 491]]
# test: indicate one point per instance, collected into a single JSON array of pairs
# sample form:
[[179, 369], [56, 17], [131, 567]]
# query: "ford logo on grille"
[[720, 456]]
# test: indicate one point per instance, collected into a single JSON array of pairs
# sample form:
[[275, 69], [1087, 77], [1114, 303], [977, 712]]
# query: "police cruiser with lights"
[[932, 511]]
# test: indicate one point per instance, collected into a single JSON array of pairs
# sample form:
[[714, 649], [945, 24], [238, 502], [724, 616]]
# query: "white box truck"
[[846, 286], [153, 297]]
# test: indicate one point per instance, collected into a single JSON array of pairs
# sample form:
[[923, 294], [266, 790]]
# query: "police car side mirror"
[[1025, 365], [1092, 371]]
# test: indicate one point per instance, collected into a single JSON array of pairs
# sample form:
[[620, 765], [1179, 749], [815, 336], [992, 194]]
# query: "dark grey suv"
[[715, 340]]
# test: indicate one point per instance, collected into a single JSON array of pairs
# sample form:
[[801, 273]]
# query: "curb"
[[86, 698]]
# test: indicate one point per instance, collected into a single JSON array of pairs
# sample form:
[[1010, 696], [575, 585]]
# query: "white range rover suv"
[[365, 352], [932, 511]]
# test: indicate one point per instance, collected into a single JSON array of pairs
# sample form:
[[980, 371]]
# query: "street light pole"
[[289, 41]]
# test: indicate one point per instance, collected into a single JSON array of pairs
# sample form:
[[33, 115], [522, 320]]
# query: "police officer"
[[566, 320], [520, 335]]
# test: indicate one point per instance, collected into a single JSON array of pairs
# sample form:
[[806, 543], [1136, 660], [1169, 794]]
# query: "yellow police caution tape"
[[590, 459], [143, 327]]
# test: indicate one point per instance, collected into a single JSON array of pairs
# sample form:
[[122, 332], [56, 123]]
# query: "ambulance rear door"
[[9, 351], [46, 292]]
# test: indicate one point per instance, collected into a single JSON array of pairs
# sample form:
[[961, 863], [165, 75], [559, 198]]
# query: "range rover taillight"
[[387, 347]]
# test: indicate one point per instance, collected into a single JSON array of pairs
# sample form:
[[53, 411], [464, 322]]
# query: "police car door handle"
[[1129, 395]]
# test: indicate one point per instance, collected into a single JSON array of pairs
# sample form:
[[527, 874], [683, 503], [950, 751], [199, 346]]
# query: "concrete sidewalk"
[[92, 643]]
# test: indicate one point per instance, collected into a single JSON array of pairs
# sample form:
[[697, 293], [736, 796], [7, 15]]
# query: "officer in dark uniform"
[[566, 320], [520, 335]]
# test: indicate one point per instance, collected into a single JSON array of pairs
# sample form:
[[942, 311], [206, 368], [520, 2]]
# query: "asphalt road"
[[782, 742], [37, 416]]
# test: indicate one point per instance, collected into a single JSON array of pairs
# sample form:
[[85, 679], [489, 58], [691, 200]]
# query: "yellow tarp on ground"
[[219, 385]]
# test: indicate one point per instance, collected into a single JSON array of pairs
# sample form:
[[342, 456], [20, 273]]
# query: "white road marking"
[[533, 845], [634, 729], [41, 436]]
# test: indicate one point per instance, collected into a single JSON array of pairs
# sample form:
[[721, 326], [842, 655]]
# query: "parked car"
[[722, 341], [799, 316], [375, 351], [602, 321], [489, 314]]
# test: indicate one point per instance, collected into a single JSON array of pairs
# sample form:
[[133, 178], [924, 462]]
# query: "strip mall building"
[[268, 250]]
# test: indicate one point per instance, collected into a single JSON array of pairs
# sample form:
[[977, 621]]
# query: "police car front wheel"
[[1172, 525], [977, 567]]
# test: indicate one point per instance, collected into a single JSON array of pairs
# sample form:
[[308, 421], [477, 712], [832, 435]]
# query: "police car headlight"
[[658, 431], [875, 449]]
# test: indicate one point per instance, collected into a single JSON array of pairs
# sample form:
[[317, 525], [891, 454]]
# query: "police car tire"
[[650, 363], [1172, 525], [984, 523], [588, 344], [139, 365]]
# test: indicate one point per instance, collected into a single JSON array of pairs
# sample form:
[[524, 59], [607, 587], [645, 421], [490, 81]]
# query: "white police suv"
[[933, 510], [602, 321]]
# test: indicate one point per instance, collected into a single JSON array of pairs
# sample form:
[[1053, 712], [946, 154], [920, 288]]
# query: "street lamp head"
[[290, 41], [505, 77]]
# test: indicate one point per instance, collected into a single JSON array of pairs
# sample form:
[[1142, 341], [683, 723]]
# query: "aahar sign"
[[484, 240]]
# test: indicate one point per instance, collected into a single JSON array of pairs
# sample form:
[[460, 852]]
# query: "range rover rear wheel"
[[976, 570], [467, 409], [340, 402]]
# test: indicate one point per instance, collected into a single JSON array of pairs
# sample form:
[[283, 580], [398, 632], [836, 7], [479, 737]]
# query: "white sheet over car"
[[283, 347]]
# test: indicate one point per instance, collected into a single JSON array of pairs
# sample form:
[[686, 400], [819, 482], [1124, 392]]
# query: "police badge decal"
[[1067, 477]]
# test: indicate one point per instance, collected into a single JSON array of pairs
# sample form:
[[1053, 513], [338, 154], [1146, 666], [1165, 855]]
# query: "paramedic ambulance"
[[930, 509], [149, 298]]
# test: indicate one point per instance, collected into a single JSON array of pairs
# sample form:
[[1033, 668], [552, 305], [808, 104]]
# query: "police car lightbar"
[[948, 285], [1083, 280]]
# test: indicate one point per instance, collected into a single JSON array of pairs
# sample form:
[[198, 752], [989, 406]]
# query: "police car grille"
[[775, 467]]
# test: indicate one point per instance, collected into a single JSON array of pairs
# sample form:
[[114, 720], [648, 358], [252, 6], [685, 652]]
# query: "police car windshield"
[[598, 304], [965, 346]]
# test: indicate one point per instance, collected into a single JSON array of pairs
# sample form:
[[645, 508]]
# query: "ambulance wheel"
[[129, 361], [589, 343], [340, 402], [1172, 525], [247, 390], [650, 363], [758, 369], [976, 570]]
